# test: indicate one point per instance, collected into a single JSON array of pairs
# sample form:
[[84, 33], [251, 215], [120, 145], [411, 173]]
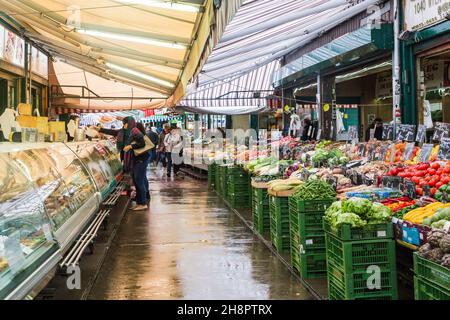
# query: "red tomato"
[[424, 166], [432, 183], [435, 165], [440, 170], [393, 172], [431, 171], [439, 184], [401, 174], [433, 191], [445, 180], [415, 180], [420, 173], [447, 169], [419, 191]]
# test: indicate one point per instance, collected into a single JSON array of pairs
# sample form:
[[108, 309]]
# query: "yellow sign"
[[326, 107], [286, 108], [346, 116]]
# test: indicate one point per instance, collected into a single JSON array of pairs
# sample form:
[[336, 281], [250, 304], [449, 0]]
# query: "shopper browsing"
[[174, 146], [161, 150], [140, 163], [151, 133]]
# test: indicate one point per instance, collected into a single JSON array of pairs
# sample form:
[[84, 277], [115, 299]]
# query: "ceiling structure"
[[153, 46], [260, 34]]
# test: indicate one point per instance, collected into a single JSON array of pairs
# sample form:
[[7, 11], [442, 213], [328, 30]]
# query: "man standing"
[[174, 146], [153, 136]]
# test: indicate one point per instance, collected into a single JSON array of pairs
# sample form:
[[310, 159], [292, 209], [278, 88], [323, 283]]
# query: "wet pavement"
[[189, 245]]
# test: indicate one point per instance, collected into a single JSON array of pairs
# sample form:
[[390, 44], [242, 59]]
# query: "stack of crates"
[[238, 187], [211, 175], [221, 180], [431, 280], [279, 223], [218, 179], [361, 262], [308, 254], [260, 210]]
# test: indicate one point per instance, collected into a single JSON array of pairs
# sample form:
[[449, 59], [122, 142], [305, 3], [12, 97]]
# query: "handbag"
[[148, 146]]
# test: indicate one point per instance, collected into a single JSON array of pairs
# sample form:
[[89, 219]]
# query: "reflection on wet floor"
[[190, 246]]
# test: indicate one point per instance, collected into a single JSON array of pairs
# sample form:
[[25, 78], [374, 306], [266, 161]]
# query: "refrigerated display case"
[[94, 156], [48, 194], [28, 250], [113, 157]]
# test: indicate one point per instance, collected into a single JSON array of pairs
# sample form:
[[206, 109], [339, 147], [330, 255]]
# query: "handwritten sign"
[[441, 130], [421, 133], [388, 131], [352, 133], [425, 152], [361, 149], [383, 152], [409, 148], [406, 132], [426, 190], [371, 152], [410, 189], [392, 182], [444, 149]]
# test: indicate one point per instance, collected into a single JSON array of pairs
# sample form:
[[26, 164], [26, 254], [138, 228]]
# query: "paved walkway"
[[189, 245]]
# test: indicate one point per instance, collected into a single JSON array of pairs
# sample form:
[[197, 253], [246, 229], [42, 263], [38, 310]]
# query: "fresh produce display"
[[357, 212], [438, 248], [402, 212], [284, 184], [396, 204], [314, 190], [418, 215], [439, 219]]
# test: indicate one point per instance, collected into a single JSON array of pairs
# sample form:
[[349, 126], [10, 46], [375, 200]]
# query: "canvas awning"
[[151, 45], [261, 33]]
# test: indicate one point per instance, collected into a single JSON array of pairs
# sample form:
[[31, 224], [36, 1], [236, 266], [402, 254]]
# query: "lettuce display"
[[357, 212]]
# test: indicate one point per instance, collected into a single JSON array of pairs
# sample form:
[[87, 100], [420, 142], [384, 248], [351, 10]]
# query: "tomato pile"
[[435, 175]]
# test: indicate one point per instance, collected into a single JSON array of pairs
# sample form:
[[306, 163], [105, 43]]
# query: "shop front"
[[355, 86], [426, 52]]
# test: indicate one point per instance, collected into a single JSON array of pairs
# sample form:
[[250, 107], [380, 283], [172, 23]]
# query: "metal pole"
[[319, 105], [396, 113]]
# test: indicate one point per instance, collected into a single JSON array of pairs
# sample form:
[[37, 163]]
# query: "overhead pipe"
[[321, 26], [288, 48], [284, 19]]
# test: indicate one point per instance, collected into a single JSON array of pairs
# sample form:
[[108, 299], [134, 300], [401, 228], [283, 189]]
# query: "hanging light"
[[140, 75], [171, 5]]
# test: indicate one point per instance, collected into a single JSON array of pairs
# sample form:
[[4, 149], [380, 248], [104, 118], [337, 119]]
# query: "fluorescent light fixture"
[[130, 38], [164, 5], [140, 75]]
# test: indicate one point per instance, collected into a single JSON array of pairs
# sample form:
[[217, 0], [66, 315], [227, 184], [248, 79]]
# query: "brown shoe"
[[140, 207]]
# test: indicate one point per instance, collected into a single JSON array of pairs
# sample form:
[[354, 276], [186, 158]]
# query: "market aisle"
[[190, 246]]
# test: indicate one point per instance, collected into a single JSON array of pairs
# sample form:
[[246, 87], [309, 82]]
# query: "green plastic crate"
[[335, 292], [370, 231], [281, 243], [309, 205], [351, 263], [211, 175], [260, 210], [431, 271], [427, 290], [309, 266]]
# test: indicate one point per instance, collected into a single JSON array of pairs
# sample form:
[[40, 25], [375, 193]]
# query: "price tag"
[[392, 182], [333, 182], [421, 133], [388, 131], [425, 152], [441, 130], [444, 149], [13, 252], [410, 189], [361, 149], [392, 154], [367, 181], [371, 152], [409, 148], [383, 151], [426, 190], [352, 133], [405, 132], [319, 134]]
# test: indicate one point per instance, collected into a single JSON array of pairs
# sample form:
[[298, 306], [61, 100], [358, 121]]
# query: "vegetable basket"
[[427, 290], [369, 231], [433, 272]]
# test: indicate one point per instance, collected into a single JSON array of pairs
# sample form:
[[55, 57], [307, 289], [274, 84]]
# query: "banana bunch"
[[284, 184]]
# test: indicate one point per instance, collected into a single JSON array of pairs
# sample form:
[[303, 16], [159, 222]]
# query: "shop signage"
[[420, 14], [14, 49], [433, 72], [384, 85], [39, 62]]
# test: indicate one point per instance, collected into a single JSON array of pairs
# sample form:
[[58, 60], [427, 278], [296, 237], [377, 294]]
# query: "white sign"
[[384, 85], [433, 74], [420, 14], [39, 62], [14, 49]]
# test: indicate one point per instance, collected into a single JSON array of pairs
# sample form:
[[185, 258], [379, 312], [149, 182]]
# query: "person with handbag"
[[141, 146]]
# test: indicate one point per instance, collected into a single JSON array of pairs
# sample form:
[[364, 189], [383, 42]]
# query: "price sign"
[[444, 149], [367, 181], [441, 130], [410, 189], [426, 190], [406, 132], [352, 133], [425, 152], [409, 148], [361, 149], [305, 175], [371, 152], [392, 182], [332, 181], [388, 131], [383, 151], [392, 154], [421, 133]]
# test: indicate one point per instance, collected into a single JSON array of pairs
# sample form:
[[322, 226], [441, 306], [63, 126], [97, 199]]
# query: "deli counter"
[[48, 194]]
